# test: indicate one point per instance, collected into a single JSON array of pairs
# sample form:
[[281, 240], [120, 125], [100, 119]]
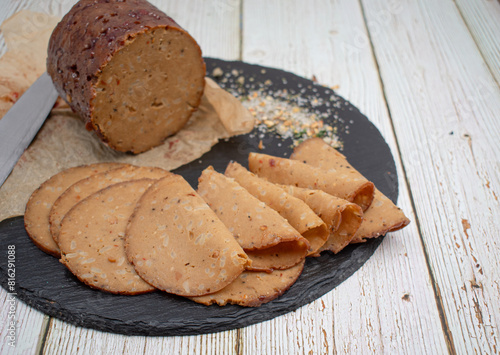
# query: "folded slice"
[[294, 210], [267, 238], [92, 239], [382, 217], [342, 217], [356, 188], [83, 188], [36, 215], [177, 244], [296, 173], [252, 289]]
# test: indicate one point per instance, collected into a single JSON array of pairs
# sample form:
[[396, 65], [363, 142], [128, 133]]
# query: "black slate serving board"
[[45, 284]]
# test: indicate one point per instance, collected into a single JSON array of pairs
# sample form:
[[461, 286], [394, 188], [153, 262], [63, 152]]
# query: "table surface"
[[427, 74]]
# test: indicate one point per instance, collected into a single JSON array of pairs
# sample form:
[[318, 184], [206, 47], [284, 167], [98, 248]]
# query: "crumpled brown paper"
[[64, 142]]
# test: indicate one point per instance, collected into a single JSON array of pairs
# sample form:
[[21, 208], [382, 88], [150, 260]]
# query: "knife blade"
[[22, 122]]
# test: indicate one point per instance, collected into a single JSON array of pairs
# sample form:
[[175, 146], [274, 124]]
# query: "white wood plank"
[[483, 20], [29, 326], [369, 312], [444, 104], [214, 24], [63, 338]]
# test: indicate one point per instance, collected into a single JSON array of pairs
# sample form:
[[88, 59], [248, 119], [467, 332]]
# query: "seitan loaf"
[[130, 71]]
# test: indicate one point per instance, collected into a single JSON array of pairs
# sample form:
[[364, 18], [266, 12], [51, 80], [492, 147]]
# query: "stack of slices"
[[241, 238]]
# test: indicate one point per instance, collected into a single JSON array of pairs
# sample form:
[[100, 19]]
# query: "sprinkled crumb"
[[289, 120], [296, 115], [217, 72]]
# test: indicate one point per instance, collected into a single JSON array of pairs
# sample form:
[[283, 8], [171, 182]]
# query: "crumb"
[[217, 72]]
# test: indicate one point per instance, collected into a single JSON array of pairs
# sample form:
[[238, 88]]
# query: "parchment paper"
[[64, 142]]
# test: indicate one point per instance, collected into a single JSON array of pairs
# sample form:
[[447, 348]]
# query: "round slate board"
[[45, 284]]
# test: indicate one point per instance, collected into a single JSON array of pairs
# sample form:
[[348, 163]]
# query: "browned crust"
[[33, 238], [63, 259], [86, 39], [131, 293], [251, 182], [269, 239], [278, 247], [254, 302], [354, 216], [363, 196], [317, 153], [287, 248], [168, 180], [383, 231], [266, 299]]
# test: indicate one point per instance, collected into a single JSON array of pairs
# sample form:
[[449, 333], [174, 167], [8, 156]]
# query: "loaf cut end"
[[128, 70], [148, 90]]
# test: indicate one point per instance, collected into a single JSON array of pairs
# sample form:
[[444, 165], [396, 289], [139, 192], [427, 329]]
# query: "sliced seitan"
[[130, 71]]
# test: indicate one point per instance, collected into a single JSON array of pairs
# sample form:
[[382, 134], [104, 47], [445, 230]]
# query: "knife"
[[21, 123]]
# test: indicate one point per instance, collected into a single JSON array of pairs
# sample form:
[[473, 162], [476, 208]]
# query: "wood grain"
[[426, 73], [482, 20], [29, 323], [69, 339], [214, 24], [373, 311], [444, 104]]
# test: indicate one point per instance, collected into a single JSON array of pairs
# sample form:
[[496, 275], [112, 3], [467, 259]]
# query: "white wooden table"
[[427, 74]]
